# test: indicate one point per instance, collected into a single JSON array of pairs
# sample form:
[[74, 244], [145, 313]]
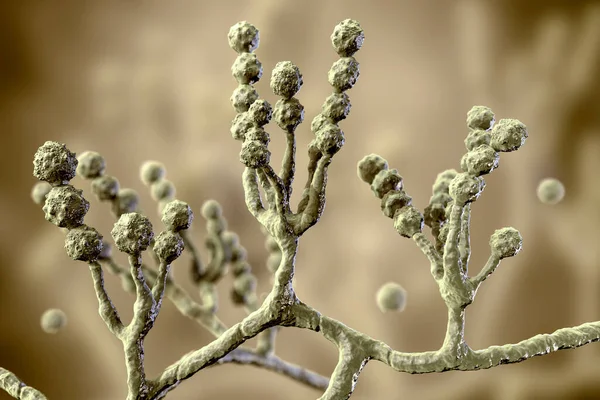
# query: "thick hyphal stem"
[[16, 388], [106, 308], [454, 341], [288, 167]]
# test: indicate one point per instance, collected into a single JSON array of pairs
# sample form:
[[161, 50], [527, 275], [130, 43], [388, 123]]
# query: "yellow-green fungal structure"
[[550, 191], [267, 192], [391, 297], [53, 320]]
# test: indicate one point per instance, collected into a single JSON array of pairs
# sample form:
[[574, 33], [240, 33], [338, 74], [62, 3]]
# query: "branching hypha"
[[448, 216]]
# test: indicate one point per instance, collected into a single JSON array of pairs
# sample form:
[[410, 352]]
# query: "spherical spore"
[[177, 215], [477, 137], [408, 221], [126, 201], [84, 243], [168, 246], [39, 191], [506, 242], [54, 163], [216, 226], [246, 68], [53, 320], [65, 207], [319, 121], [211, 209], [258, 134], [132, 233], [435, 212], [240, 125], [286, 79], [243, 97], [391, 297], [243, 37], [239, 253], [480, 117], [393, 201], [336, 107], [254, 154], [344, 73], [105, 187], [481, 160], [508, 135], [442, 181], [289, 113], [330, 139], [385, 181], [369, 166], [347, 37], [466, 188], [90, 165], [162, 189], [230, 240], [152, 171], [550, 191], [260, 112]]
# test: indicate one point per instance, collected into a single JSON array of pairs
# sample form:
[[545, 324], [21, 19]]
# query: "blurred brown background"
[[138, 80]]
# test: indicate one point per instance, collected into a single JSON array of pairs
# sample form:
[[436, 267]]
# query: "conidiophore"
[[447, 215]]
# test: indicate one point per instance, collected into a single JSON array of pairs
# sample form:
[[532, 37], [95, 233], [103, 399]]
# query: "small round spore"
[[90, 165], [177, 215], [132, 233], [370, 166], [391, 297], [385, 181], [261, 112], [347, 37], [162, 189], [168, 246], [126, 201], [84, 243], [105, 187], [152, 171], [54, 163], [243, 97], [344, 73], [393, 201], [550, 191], [508, 135], [408, 221], [465, 188], [254, 154], [506, 242], [246, 68], [480, 117], [53, 320], [65, 207], [336, 107], [481, 160], [211, 209], [288, 113], [243, 37], [39, 191], [286, 79], [329, 139]]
